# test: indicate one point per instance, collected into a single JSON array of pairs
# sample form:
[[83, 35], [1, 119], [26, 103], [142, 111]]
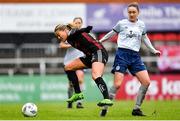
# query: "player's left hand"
[[157, 52]]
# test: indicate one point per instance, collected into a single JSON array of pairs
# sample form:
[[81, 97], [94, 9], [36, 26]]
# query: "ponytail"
[[68, 26]]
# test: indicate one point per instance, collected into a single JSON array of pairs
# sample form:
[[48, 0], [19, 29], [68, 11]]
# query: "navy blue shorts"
[[127, 59]]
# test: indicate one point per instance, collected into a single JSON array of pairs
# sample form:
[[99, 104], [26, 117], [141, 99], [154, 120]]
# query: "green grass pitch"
[[121, 110]]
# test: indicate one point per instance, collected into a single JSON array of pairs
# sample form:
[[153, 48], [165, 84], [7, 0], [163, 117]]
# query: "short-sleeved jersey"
[[83, 41], [130, 34]]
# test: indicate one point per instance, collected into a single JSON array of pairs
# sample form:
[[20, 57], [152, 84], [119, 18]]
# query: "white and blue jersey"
[[130, 34], [129, 43]]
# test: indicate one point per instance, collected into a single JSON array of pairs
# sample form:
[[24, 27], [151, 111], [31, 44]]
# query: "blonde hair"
[[62, 27]]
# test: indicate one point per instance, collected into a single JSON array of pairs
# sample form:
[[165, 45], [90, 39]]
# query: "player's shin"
[[102, 87], [74, 79], [70, 89], [140, 96], [112, 92]]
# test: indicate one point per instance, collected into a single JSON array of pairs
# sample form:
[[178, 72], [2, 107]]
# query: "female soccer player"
[[72, 54], [130, 33], [95, 57]]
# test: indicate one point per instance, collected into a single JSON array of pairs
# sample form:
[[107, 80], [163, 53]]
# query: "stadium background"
[[31, 63]]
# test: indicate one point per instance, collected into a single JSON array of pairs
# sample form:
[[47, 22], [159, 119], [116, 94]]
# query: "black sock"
[[102, 87], [74, 79]]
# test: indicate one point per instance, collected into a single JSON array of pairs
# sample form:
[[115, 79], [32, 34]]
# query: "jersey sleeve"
[[87, 29], [117, 27], [144, 29]]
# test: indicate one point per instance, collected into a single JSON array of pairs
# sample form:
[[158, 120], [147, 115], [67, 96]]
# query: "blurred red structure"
[[171, 37], [163, 87]]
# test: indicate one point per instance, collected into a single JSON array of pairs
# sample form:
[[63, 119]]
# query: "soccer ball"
[[29, 110]]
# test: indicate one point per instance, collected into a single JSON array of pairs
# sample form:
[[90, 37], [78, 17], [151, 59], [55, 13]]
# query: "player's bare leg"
[[118, 78], [80, 75], [70, 93], [144, 79], [97, 72]]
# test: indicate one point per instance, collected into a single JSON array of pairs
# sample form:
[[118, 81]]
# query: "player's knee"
[[67, 68], [95, 75], [81, 81], [146, 83], [80, 73], [117, 83]]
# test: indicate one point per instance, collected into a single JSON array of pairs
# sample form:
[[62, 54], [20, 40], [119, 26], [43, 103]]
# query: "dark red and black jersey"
[[83, 41]]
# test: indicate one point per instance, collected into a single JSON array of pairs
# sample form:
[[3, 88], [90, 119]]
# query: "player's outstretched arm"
[[149, 45], [107, 36]]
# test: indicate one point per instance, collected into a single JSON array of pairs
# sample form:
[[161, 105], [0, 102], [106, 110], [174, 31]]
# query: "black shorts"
[[98, 56]]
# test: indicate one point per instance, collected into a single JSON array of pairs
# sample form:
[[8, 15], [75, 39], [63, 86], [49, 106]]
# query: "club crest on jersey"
[[118, 67], [131, 35]]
